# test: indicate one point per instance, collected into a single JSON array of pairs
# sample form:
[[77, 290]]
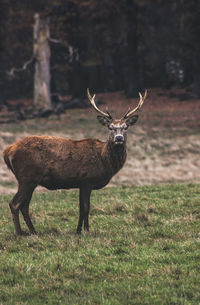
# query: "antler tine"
[[124, 116], [92, 101], [142, 99]]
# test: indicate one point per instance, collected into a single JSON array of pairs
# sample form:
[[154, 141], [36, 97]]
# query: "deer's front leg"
[[84, 208]]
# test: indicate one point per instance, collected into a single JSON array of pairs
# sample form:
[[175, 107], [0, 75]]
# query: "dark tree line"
[[105, 45]]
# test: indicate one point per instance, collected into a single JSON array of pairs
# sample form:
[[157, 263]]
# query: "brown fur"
[[59, 163]]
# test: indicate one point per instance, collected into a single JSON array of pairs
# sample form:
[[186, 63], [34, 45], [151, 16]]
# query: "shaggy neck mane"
[[114, 156]]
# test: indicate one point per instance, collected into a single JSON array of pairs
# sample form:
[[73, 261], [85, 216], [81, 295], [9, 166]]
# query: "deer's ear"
[[103, 120], [132, 120]]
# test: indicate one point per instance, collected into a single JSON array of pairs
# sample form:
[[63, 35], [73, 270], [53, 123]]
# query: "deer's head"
[[117, 127]]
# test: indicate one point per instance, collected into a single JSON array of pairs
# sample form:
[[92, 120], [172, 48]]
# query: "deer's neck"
[[114, 156]]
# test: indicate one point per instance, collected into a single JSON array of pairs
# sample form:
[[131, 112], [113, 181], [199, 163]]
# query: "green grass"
[[143, 248]]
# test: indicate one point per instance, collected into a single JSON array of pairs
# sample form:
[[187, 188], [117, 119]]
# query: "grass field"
[[143, 248]]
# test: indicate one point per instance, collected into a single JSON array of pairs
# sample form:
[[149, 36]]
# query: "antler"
[[92, 100], [129, 113]]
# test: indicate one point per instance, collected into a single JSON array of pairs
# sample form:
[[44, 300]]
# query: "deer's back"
[[56, 162]]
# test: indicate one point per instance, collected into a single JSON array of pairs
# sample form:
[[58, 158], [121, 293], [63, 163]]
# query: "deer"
[[61, 163]]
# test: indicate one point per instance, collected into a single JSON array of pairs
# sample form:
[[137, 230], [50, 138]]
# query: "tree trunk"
[[41, 50], [129, 47]]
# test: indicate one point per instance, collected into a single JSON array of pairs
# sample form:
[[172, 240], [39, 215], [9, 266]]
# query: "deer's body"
[[64, 163], [59, 163]]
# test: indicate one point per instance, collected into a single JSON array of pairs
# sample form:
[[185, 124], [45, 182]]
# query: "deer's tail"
[[7, 159]]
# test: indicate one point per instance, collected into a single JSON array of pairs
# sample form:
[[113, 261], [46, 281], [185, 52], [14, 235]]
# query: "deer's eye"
[[112, 127]]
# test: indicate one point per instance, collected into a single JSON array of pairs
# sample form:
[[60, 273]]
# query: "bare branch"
[[11, 73], [55, 40], [65, 44], [73, 53]]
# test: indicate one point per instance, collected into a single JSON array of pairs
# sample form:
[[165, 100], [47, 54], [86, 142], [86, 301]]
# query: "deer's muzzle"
[[119, 139]]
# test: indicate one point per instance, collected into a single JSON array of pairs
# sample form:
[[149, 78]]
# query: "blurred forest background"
[[104, 45], [116, 48]]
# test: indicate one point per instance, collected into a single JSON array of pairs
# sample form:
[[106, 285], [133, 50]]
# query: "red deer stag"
[[59, 163]]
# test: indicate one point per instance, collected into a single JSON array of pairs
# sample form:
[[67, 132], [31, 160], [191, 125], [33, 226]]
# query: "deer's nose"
[[119, 138]]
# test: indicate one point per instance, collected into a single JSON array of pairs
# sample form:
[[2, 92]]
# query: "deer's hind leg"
[[21, 202], [14, 207]]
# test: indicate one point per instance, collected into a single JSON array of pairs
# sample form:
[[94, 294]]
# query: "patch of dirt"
[[164, 146]]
